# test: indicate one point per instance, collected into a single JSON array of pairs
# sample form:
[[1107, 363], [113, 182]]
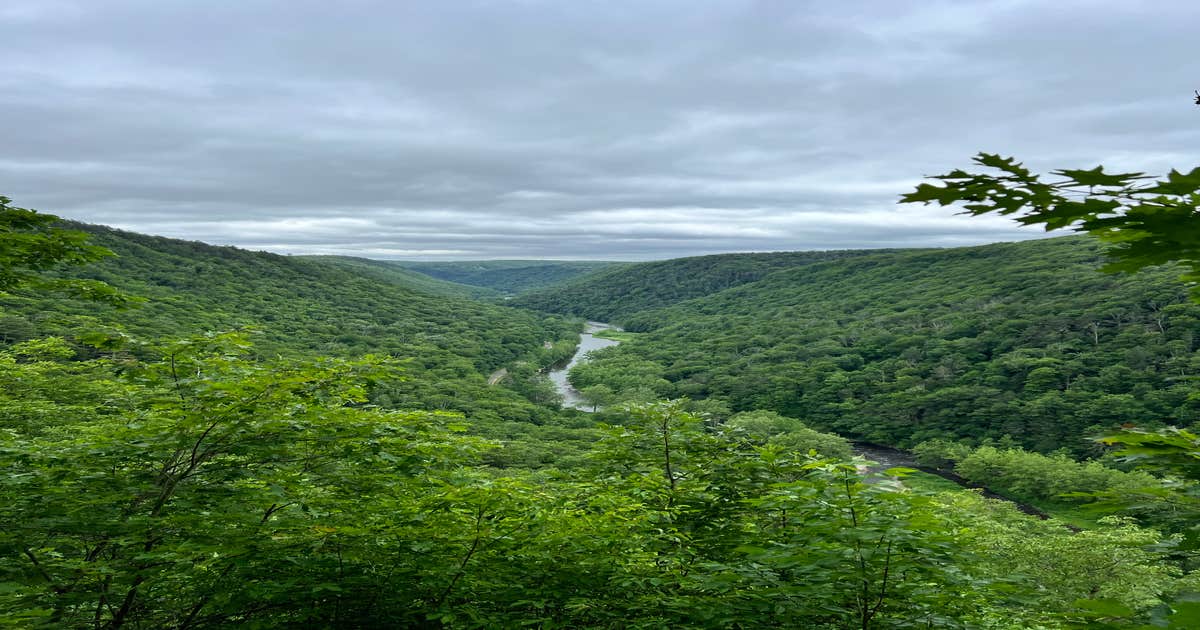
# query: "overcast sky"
[[569, 129]]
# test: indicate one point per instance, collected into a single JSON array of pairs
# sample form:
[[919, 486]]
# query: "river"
[[884, 456], [887, 457], [588, 341]]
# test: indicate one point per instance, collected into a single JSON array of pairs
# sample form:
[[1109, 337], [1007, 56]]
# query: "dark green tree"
[[1149, 222]]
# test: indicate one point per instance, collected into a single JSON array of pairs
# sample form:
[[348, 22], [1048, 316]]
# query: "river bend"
[[588, 341]]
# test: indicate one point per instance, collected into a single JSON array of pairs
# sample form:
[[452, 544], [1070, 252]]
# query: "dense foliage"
[[34, 243], [1149, 223], [1030, 477], [300, 306], [298, 302], [507, 276], [208, 490], [385, 457], [1021, 339], [614, 294]]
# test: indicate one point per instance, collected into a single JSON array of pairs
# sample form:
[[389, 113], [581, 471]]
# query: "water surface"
[[588, 341]]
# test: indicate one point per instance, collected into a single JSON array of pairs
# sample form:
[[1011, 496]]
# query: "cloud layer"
[[618, 130]]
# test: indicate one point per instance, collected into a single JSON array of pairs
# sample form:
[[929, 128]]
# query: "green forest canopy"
[[338, 459], [1022, 339]]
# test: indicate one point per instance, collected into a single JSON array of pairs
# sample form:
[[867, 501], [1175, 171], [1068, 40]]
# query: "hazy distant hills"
[[611, 294], [508, 277], [402, 276]]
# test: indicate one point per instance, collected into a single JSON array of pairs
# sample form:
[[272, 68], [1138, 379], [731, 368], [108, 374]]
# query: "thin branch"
[[40, 569]]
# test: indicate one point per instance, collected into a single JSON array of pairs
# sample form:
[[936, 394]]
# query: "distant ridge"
[[613, 294], [388, 271], [509, 277]]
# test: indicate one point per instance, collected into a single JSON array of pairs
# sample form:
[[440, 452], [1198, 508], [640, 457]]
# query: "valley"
[[588, 341], [331, 442], [652, 315]]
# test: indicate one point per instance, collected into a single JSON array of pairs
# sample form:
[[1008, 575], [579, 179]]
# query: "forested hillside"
[[385, 271], [298, 303], [1026, 340], [507, 276], [303, 306], [351, 465], [615, 294]]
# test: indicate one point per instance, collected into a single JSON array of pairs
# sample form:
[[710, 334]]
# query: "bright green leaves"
[[48, 349], [1149, 224], [218, 471], [30, 243], [1172, 450], [1182, 614], [1047, 568], [830, 548], [1174, 501], [226, 491], [749, 533]]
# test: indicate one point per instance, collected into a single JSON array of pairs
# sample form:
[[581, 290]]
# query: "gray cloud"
[[621, 130]]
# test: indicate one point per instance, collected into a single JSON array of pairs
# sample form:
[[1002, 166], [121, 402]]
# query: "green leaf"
[[1177, 184], [1097, 177], [1104, 607], [1185, 615]]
